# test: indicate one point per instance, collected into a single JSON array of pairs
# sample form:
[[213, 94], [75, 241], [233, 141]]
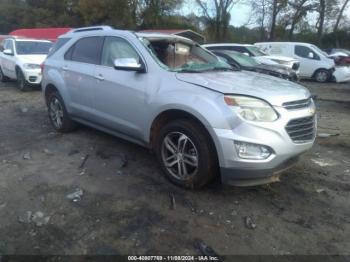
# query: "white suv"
[[21, 60]]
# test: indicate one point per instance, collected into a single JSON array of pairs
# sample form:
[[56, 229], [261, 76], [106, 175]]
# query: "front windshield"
[[256, 51], [33, 47], [243, 59], [182, 56], [319, 50]]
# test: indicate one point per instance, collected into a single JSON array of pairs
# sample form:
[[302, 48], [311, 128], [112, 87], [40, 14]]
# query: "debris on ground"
[[27, 156], [83, 172], [39, 219], [3, 205], [320, 190], [76, 195], [234, 213], [172, 201], [84, 161], [123, 161], [48, 152], [323, 163], [26, 218], [120, 173], [249, 223], [326, 135], [24, 110], [73, 152], [204, 248]]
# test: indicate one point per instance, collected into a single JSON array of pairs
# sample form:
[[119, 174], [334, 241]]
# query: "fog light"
[[252, 151]]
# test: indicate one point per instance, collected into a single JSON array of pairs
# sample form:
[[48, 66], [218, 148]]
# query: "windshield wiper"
[[187, 70]]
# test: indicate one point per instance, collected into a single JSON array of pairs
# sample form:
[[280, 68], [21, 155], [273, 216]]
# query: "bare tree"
[[300, 10], [217, 14], [339, 17], [260, 10], [322, 12]]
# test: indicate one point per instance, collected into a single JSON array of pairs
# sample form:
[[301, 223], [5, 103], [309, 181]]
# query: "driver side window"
[[115, 48], [9, 45], [305, 52]]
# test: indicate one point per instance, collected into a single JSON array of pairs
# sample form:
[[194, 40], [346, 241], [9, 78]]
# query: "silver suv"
[[165, 92]]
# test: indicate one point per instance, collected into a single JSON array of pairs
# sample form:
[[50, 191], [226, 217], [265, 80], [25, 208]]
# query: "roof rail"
[[91, 28]]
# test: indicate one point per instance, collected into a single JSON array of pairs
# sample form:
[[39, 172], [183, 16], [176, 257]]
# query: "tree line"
[[323, 22]]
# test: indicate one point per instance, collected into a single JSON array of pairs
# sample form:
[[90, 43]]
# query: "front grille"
[[32, 78], [297, 104], [302, 129]]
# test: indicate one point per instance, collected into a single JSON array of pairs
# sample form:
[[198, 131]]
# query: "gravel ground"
[[123, 205]]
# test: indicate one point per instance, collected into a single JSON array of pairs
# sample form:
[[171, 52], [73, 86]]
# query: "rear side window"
[[87, 50], [60, 43]]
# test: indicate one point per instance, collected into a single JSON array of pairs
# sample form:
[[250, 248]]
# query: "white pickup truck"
[[21, 60]]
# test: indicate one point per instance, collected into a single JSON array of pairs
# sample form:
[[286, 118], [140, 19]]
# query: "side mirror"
[[8, 52], [128, 64], [311, 55]]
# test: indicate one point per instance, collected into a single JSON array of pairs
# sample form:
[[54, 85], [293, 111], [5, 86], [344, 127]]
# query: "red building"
[[41, 33]]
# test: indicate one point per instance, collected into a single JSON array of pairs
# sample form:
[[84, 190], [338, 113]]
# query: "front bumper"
[[33, 76], [243, 172]]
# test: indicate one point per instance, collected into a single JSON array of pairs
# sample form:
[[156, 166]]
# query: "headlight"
[[251, 109], [31, 66]]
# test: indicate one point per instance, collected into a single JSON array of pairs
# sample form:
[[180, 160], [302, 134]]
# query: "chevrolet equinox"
[[201, 118]]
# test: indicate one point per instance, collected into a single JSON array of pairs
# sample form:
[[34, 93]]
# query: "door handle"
[[100, 77], [64, 68]]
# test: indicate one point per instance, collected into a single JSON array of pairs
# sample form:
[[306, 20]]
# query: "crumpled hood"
[[272, 89], [32, 59]]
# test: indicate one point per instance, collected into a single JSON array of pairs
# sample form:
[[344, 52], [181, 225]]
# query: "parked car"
[[243, 62], [340, 56], [167, 93], [314, 63], [21, 59], [259, 55]]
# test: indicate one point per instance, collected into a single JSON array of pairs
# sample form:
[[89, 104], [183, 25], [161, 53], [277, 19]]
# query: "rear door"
[[119, 96], [78, 71]]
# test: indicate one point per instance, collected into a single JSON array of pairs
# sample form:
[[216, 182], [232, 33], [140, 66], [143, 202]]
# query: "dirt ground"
[[126, 204]]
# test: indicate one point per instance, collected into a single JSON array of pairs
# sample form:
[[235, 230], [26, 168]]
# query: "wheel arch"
[[170, 115], [319, 69]]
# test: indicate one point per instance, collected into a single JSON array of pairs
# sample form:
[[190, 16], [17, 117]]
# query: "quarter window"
[[86, 50], [114, 48]]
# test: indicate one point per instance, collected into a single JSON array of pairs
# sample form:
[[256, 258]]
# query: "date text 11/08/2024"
[[173, 258]]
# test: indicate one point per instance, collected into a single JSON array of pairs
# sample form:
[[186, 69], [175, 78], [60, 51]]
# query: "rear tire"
[[58, 114], [186, 154], [322, 75], [22, 83], [3, 78]]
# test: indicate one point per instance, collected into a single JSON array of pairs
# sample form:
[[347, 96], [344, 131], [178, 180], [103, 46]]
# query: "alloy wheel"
[[56, 112], [180, 156], [322, 76]]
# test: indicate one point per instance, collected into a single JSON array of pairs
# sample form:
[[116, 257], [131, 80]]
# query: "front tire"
[[322, 75], [186, 154], [22, 83], [58, 114], [3, 78]]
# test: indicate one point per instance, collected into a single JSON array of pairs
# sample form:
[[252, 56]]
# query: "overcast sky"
[[240, 12]]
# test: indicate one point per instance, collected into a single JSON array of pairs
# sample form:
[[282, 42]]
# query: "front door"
[[119, 96]]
